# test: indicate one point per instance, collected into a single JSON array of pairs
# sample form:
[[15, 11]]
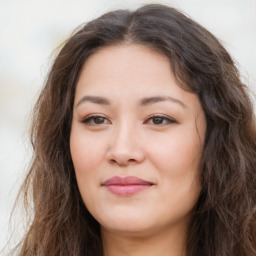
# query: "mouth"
[[126, 186]]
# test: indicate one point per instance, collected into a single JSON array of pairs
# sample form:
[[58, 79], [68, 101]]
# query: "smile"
[[126, 186]]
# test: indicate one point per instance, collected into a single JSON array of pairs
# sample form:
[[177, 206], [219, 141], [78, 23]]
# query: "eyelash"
[[167, 120], [90, 120]]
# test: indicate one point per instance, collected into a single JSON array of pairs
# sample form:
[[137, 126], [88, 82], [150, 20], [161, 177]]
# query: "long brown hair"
[[224, 219]]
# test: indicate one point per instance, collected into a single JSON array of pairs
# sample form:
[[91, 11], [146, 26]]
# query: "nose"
[[125, 147]]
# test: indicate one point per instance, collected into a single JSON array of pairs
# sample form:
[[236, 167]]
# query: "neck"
[[164, 244]]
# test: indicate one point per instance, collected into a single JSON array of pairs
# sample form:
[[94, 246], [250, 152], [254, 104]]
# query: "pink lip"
[[125, 186]]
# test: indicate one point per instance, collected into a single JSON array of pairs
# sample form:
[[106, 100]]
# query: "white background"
[[31, 29]]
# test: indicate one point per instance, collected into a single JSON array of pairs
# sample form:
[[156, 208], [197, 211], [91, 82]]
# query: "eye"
[[160, 120], [96, 120]]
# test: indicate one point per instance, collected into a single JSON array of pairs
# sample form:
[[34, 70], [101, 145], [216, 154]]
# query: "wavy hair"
[[224, 218]]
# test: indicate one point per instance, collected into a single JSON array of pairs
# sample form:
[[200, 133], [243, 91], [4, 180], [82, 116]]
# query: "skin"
[[158, 140]]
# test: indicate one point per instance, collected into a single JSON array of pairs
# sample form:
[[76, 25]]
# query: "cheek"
[[180, 152], [86, 152], [177, 159]]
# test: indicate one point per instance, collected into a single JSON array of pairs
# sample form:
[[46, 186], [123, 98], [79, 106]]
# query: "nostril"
[[131, 160], [113, 161], [122, 162]]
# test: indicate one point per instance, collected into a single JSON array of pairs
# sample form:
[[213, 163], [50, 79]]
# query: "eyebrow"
[[155, 99], [94, 99], [142, 102]]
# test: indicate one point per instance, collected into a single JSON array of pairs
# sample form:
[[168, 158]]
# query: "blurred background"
[[30, 30]]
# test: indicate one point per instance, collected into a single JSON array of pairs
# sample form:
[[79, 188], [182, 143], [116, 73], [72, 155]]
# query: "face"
[[136, 142]]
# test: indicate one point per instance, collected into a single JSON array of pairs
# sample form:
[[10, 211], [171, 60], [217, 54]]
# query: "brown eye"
[[95, 120], [98, 120], [160, 120], [157, 120]]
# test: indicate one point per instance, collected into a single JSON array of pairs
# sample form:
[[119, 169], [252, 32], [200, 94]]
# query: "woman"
[[144, 143]]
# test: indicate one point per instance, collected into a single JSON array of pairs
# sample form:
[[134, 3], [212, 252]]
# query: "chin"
[[126, 224], [128, 230]]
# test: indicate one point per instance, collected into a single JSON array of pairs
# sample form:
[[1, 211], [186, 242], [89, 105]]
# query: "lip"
[[126, 186]]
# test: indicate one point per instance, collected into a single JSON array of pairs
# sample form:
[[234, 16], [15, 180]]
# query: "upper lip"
[[128, 180]]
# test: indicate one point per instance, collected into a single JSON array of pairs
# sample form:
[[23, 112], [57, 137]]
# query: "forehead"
[[131, 58], [129, 70]]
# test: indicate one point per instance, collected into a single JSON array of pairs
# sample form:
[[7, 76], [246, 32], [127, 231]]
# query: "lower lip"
[[127, 190]]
